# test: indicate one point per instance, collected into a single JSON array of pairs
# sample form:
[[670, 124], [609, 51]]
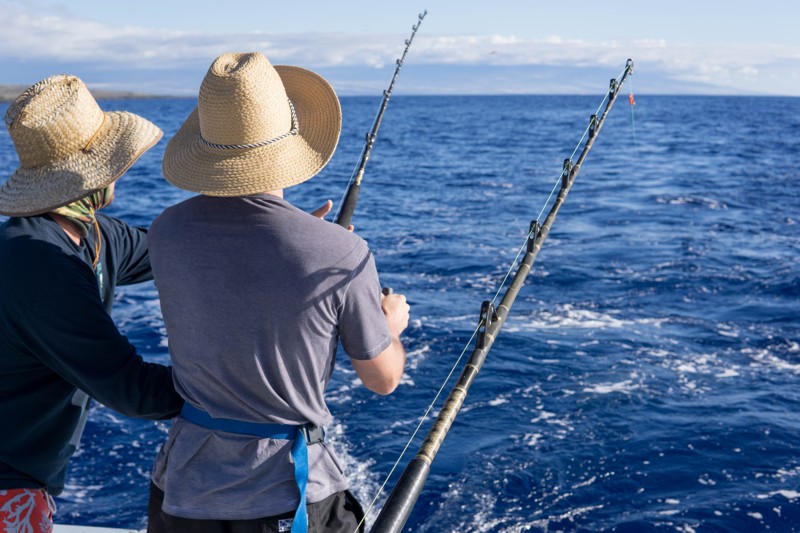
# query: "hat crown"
[[52, 120], [242, 100]]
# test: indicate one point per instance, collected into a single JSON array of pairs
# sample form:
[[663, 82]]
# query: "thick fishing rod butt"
[[348, 206], [401, 501]]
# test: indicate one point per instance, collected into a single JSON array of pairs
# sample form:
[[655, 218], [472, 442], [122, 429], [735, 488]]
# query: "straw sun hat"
[[67, 146], [256, 128]]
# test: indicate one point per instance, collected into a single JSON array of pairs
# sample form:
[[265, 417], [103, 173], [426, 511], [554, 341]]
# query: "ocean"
[[647, 376]]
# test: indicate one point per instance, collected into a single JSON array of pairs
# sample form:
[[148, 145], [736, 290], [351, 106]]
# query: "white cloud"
[[30, 33]]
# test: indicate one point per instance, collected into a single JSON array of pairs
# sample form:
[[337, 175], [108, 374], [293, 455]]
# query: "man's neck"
[[68, 227]]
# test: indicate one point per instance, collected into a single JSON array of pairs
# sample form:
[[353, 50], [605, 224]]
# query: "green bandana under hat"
[[82, 212]]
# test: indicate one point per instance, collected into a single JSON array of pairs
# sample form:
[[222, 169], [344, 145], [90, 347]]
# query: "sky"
[[730, 47]]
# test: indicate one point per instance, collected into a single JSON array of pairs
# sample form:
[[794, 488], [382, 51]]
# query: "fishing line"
[[464, 351], [546, 203], [400, 503], [416, 430]]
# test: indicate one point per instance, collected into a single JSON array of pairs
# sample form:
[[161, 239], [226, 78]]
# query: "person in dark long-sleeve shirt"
[[60, 262]]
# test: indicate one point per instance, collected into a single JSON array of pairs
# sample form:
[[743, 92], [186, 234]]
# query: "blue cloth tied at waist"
[[301, 435]]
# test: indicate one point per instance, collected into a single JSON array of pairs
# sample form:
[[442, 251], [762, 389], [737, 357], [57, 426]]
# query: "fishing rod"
[[406, 491], [348, 205]]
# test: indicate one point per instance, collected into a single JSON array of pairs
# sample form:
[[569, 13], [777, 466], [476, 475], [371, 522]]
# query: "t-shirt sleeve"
[[129, 246], [363, 329], [67, 328]]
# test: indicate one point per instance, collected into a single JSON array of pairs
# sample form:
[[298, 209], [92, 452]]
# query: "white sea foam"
[[543, 415], [482, 507], [686, 200], [727, 331], [532, 439], [406, 380], [415, 357], [790, 495], [585, 483], [363, 482], [497, 401], [705, 480], [79, 493], [784, 473], [569, 515], [692, 367], [767, 358], [624, 387], [568, 316]]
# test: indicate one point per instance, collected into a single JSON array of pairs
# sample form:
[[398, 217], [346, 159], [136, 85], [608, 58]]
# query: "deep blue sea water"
[[647, 378]]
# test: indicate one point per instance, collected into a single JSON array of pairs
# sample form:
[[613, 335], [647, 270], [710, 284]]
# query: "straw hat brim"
[[192, 165], [34, 191]]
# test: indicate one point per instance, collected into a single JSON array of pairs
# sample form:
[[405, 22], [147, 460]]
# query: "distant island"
[[8, 93]]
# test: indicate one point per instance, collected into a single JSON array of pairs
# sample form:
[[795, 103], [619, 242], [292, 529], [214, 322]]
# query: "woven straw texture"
[[244, 100], [67, 146]]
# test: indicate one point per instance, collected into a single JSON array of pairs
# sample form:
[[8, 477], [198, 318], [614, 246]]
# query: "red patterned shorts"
[[26, 511]]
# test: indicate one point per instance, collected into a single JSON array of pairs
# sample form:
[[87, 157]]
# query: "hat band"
[[293, 131], [93, 138]]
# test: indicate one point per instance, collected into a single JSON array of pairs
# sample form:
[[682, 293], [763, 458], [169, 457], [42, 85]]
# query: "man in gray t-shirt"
[[256, 295]]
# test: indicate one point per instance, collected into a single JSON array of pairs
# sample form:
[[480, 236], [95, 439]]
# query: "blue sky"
[[463, 47]]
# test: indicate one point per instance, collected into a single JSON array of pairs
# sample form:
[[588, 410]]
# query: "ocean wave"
[[570, 316]]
